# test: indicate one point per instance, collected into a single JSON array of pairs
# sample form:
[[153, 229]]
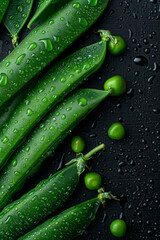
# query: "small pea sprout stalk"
[[105, 195], [15, 40], [106, 35], [81, 159]]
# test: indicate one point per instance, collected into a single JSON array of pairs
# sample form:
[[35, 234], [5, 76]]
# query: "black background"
[[130, 168]]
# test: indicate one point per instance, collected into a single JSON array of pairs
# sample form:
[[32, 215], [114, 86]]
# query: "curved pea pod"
[[4, 5], [45, 43], [45, 9], [7, 109], [71, 223], [43, 200], [16, 17], [45, 138], [58, 82]]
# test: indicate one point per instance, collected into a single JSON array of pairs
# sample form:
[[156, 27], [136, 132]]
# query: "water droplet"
[[5, 140], [51, 22], [42, 138], [32, 46], [15, 130], [86, 66], [7, 64], [69, 109], [28, 2], [24, 15], [8, 219], [52, 127], [16, 173], [141, 60], [47, 43], [82, 102], [20, 58], [29, 112], [93, 3], [52, 89], [76, 5], [63, 79], [3, 79], [2, 186], [62, 18], [14, 163], [56, 39], [83, 22], [44, 100], [20, 8], [63, 116]]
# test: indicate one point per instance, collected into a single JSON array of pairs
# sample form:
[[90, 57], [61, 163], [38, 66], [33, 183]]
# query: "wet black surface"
[[130, 168]]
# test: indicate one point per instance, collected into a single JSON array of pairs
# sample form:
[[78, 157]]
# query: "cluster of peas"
[[116, 131]]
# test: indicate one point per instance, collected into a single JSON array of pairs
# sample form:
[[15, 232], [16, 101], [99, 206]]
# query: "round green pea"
[[78, 144], [116, 131], [117, 47], [117, 84], [118, 228], [93, 181]]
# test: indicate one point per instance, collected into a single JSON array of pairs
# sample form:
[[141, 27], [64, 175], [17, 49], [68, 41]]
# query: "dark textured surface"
[[130, 168]]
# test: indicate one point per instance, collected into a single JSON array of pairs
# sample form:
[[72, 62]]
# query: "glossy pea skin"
[[78, 144], [7, 109], [118, 47], [45, 9], [118, 228], [46, 42], [38, 203], [93, 181], [16, 17], [3, 8], [62, 78], [118, 85], [67, 225], [45, 138], [116, 131]]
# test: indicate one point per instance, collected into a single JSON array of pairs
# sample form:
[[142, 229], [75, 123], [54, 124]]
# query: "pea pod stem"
[[82, 160], [93, 151], [107, 36]]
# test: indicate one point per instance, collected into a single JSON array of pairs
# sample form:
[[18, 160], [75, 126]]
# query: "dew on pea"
[[19, 8], [63, 116], [56, 39], [32, 46], [44, 100], [14, 163], [20, 58], [86, 66], [47, 44], [3, 79], [5, 139], [8, 219], [82, 102], [63, 79], [93, 3], [16, 173], [29, 112], [83, 22], [52, 127], [1, 149], [76, 5]]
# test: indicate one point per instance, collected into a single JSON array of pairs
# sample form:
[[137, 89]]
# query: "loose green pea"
[[93, 181], [117, 84], [78, 144], [116, 131], [117, 47], [118, 228]]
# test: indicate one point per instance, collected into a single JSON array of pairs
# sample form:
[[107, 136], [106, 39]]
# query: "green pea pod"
[[71, 223], [43, 200], [7, 109], [45, 138], [45, 43], [3, 8], [53, 87], [16, 17], [45, 9]]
